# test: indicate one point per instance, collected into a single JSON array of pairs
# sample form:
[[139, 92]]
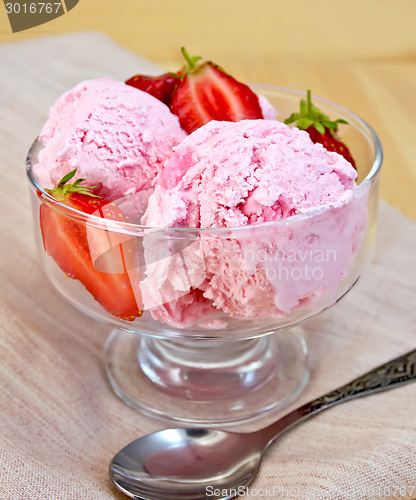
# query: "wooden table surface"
[[359, 54]]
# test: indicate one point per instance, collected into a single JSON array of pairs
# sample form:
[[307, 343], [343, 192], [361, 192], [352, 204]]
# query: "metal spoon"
[[196, 464]]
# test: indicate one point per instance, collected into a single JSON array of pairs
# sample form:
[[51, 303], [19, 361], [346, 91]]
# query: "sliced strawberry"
[[161, 87], [320, 128], [207, 93], [97, 257]]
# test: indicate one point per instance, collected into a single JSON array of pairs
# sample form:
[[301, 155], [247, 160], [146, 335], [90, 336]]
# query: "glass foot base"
[[207, 383]]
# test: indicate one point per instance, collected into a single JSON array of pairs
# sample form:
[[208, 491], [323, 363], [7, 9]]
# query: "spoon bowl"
[[194, 464], [187, 463]]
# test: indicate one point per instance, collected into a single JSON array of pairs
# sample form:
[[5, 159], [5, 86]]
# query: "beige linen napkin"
[[60, 423]]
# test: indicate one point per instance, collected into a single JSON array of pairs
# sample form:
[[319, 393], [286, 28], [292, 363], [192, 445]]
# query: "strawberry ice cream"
[[235, 184], [237, 175], [114, 135]]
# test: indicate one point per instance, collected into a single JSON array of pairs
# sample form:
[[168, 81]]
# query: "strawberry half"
[[161, 87], [83, 251], [320, 128], [207, 93]]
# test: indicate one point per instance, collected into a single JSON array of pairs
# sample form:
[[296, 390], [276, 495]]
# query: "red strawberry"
[[161, 87], [320, 128], [206, 93], [94, 256]]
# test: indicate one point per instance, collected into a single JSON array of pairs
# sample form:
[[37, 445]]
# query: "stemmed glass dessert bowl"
[[241, 355]]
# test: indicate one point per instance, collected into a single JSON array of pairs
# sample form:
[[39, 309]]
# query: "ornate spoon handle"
[[392, 374], [397, 372]]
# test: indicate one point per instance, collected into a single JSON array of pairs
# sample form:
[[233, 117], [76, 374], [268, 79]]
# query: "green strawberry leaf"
[[309, 115]]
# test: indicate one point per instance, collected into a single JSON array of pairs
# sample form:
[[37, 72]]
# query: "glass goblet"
[[186, 359]]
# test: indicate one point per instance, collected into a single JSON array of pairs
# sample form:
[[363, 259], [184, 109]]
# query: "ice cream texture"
[[233, 183], [231, 175], [114, 135]]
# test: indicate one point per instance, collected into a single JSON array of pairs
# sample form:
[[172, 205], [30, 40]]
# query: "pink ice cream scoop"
[[245, 176], [114, 135]]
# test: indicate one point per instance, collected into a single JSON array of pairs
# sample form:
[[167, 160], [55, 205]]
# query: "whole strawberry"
[[320, 128], [206, 93]]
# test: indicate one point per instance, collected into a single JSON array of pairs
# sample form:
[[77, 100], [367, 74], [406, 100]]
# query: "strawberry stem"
[[63, 189], [190, 60], [311, 116], [309, 100]]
